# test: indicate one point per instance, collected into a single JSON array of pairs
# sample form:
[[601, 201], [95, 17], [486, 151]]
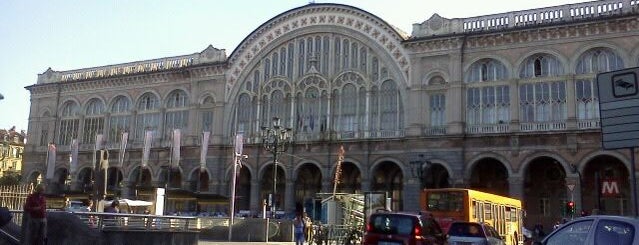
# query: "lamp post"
[[275, 139], [418, 167]]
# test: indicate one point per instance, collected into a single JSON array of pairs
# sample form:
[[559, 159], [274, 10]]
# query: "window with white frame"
[[487, 95], [69, 123], [486, 70], [119, 120], [437, 110], [177, 112], [590, 63], [542, 90], [93, 121], [148, 118], [542, 102]]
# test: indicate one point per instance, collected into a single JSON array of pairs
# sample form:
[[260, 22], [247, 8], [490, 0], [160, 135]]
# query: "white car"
[[473, 233], [594, 230]]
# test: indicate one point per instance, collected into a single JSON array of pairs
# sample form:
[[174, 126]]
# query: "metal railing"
[[129, 222]]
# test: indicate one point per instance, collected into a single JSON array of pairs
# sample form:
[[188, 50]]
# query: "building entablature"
[[496, 38], [209, 56], [532, 18]]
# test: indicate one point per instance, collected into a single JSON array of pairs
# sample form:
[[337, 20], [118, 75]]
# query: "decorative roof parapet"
[[437, 25], [208, 55]]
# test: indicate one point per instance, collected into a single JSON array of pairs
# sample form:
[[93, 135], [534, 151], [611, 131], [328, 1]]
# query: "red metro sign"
[[609, 188]]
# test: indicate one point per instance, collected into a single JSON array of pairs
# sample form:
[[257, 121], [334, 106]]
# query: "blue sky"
[[66, 35]]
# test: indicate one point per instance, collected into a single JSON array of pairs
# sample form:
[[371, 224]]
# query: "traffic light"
[[570, 207]]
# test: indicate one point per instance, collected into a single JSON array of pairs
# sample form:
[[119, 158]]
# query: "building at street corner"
[[11, 152], [504, 103]]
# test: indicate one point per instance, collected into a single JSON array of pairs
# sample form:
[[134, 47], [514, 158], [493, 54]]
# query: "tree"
[[10, 179]]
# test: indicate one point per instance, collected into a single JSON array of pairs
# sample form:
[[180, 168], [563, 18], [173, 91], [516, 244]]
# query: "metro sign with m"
[[609, 188]]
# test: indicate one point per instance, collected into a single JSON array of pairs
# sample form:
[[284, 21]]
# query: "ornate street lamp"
[[275, 139], [419, 167]]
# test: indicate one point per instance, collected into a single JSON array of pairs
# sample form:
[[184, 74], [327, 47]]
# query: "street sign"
[[571, 187], [609, 188], [619, 108]]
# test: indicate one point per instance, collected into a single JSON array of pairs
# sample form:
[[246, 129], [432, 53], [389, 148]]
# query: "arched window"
[[389, 108], [177, 112], [148, 117], [120, 118], [69, 123], [93, 121], [541, 65], [206, 114], [487, 98], [244, 113], [348, 110], [589, 64], [486, 70], [542, 91]]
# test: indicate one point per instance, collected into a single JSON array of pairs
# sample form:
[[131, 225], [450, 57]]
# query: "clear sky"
[[73, 34]]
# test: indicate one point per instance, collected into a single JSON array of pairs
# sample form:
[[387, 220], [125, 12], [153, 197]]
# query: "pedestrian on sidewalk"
[[35, 232], [298, 228]]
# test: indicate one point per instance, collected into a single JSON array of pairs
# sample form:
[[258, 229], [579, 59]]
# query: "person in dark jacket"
[[35, 230]]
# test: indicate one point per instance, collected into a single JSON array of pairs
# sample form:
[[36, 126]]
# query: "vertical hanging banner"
[[204, 150], [51, 160], [98, 146], [123, 142], [239, 144], [148, 136], [73, 165], [104, 159], [175, 156]]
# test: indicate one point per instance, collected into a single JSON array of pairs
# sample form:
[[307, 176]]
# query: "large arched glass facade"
[[322, 86]]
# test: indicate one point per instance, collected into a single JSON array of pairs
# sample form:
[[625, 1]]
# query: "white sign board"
[[619, 108]]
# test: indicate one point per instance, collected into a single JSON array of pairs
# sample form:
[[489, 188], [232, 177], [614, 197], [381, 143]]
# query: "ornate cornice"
[[130, 80], [559, 31]]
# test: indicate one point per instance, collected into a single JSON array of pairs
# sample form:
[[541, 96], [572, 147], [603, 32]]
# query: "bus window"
[[475, 209], [445, 201], [488, 211]]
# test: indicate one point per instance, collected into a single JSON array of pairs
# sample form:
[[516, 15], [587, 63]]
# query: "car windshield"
[[392, 224], [466, 230]]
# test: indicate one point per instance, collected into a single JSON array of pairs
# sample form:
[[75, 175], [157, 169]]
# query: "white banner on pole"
[[239, 144], [204, 150], [104, 159], [73, 165], [175, 156], [123, 142], [51, 160], [148, 136], [98, 146]]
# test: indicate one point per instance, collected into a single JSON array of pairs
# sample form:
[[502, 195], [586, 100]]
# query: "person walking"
[[308, 227], [35, 211], [298, 228], [113, 208]]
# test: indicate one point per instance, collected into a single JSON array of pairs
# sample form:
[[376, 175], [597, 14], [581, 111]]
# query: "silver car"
[[473, 233], [595, 230]]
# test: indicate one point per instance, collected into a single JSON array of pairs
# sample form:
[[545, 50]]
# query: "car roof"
[[610, 217]]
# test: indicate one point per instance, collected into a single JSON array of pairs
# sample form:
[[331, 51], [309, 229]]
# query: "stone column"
[[410, 195], [516, 187], [126, 189], [255, 200], [366, 185], [289, 197]]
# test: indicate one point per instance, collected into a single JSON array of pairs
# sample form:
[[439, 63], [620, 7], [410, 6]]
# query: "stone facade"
[[501, 103]]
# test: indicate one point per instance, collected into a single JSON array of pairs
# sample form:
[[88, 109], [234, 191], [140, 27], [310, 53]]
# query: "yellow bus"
[[456, 204]]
